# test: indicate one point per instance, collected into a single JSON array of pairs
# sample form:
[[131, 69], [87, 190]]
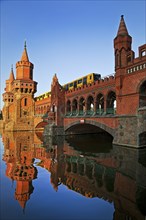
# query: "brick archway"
[[41, 125], [94, 123]]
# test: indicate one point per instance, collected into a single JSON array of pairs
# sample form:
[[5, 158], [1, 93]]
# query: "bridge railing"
[[81, 112], [99, 111], [110, 111], [91, 112]]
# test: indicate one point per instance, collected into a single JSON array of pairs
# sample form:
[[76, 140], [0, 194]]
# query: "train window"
[[84, 80], [71, 84], [79, 81], [97, 77], [90, 76], [75, 84]]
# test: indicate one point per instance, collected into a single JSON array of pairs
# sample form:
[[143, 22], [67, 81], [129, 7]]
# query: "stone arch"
[[94, 123], [41, 125]]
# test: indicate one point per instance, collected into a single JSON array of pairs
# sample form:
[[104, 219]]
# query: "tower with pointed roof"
[[18, 110], [122, 46]]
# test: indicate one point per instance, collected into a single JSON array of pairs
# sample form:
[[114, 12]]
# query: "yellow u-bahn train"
[[43, 96], [85, 80]]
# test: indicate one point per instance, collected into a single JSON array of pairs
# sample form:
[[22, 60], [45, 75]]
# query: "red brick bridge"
[[115, 104]]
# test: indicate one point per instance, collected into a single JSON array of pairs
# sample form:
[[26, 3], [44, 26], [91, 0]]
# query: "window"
[[143, 53], [25, 102], [79, 81], [128, 58], [85, 80]]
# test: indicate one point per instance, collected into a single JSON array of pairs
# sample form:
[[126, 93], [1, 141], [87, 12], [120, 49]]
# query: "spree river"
[[83, 177]]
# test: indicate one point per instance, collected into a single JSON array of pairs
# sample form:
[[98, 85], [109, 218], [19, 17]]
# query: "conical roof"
[[122, 27], [24, 55], [11, 77]]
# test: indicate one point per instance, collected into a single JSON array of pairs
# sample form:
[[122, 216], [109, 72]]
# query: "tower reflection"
[[113, 173]]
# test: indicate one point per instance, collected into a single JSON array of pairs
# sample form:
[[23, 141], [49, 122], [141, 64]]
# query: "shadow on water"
[[93, 143]]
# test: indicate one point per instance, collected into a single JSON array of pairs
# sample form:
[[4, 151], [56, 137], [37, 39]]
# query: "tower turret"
[[10, 80], [24, 68], [122, 45]]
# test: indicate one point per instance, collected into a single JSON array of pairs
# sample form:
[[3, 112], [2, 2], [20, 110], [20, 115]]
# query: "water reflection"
[[89, 165]]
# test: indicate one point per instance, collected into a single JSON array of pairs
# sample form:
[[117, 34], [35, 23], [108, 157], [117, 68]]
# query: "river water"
[[83, 177]]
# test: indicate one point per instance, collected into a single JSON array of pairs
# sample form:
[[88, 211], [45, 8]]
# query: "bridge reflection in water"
[[88, 165]]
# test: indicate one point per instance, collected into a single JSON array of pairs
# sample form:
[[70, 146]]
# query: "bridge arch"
[[41, 125], [92, 123]]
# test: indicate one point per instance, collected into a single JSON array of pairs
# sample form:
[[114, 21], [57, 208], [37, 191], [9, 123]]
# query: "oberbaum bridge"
[[115, 104]]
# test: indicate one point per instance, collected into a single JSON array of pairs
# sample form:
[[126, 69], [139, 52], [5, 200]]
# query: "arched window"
[[25, 102], [100, 104], [143, 53], [74, 107], [90, 105], [111, 103], [142, 95], [117, 59]]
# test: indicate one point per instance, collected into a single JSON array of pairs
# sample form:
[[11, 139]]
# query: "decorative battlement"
[[26, 63]]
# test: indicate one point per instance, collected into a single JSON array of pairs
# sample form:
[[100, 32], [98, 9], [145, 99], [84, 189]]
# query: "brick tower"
[[130, 72], [18, 110]]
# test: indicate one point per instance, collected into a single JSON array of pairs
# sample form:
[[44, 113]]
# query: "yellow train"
[[43, 96], [85, 80]]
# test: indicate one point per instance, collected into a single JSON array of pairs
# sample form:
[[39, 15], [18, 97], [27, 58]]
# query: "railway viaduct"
[[115, 104]]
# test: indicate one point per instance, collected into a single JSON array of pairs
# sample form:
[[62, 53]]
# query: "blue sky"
[[70, 38]]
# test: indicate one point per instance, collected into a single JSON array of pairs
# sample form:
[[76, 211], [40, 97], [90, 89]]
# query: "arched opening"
[[111, 103], [90, 105], [100, 104], [41, 125], [68, 107], [142, 95], [143, 53], [81, 106], [74, 107], [88, 138]]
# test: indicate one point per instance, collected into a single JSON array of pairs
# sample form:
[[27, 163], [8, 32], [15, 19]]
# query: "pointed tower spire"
[[122, 27], [25, 55], [11, 77], [122, 44]]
